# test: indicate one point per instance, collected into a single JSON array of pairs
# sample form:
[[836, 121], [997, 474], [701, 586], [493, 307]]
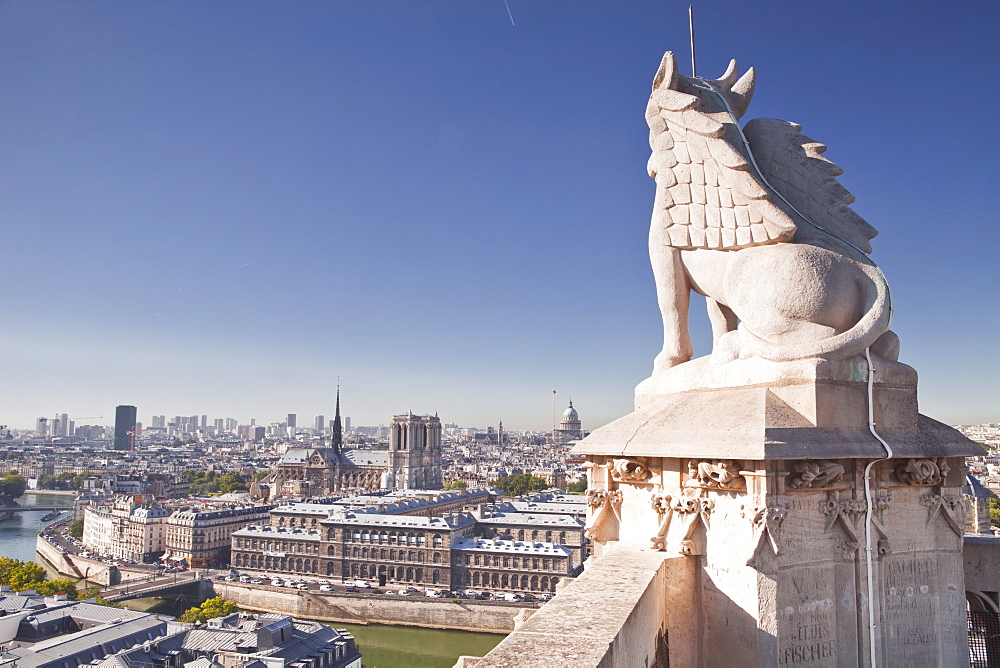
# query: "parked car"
[[326, 587], [351, 589]]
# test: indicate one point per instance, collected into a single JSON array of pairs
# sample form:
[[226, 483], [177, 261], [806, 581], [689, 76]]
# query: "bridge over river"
[[164, 585], [28, 509]]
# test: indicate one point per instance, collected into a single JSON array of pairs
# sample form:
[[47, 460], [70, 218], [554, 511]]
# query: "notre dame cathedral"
[[413, 461]]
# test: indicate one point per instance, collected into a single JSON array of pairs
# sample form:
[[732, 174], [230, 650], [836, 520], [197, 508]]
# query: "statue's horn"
[[667, 76], [742, 92], [727, 80]]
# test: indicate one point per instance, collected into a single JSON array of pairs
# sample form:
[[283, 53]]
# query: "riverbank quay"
[[359, 608], [59, 555]]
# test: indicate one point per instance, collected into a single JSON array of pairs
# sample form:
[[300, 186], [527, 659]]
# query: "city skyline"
[[447, 210]]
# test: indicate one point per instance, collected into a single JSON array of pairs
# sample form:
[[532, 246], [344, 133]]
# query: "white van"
[[433, 593], [514, 598], [362, 584]]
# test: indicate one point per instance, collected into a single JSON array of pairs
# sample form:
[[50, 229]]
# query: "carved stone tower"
[[415, 452]]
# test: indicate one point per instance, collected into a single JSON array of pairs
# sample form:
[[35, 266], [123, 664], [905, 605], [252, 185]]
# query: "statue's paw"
[[887, 346], [664, 361], [726, 349]]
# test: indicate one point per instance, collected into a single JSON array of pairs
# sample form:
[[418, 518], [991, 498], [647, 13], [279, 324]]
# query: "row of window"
[[497, 561], [547, 536], [278, 546], [542, 583], [390, 537], [391, 555]]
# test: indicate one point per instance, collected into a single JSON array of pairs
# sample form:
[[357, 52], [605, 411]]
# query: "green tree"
[[456, 484], [46, 481], [20, 575], [210, 482], [260, 475], [994, 512], [12, 485], [521, 484], [578, 487], [60, 586], [210, 609], [76, 528]]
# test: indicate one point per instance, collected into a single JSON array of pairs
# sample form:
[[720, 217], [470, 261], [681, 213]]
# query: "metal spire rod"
[[694, 68]]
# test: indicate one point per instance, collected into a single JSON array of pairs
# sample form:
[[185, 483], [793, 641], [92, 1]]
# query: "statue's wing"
[[708, 196], [792, 164]]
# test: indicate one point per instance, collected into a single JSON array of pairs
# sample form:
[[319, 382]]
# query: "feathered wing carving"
[[707, 194], [792, 164]]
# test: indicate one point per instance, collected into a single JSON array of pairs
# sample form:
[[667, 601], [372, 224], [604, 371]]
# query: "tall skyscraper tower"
[[319, 423], [124, 423], [290, 421]]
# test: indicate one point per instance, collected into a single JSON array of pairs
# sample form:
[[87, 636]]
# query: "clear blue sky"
[[219, 207]]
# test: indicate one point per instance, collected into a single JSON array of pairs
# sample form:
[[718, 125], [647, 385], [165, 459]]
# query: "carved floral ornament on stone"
[[630, 470], [815, 473], [915, 471], [721, 474], [756, 220]]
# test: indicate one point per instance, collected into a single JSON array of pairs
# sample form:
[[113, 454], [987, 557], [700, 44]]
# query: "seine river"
[[381, 646]]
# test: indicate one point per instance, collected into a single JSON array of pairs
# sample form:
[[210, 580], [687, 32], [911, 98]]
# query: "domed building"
[[570, 428]]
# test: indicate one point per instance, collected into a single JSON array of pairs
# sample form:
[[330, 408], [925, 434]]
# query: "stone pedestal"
[[762, 485]]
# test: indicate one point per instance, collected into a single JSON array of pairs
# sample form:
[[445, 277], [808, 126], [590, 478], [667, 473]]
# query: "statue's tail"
[[864, 333]]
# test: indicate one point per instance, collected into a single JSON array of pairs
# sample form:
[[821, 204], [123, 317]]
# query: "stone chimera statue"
[[767, 237]]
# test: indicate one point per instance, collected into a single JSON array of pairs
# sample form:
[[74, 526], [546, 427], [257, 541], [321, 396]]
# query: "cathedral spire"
[[337, 436]]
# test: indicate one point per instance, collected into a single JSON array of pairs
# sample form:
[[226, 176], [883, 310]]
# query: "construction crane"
[[131, 440]]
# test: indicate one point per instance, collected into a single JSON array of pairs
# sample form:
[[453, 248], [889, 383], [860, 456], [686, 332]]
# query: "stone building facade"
[[138, 528], [128, 528], [413, 461], [511, 565], [415, 452], [202, 537], [446, 551]]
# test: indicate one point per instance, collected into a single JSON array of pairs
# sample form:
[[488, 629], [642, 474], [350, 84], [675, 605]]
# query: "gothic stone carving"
[[691, 510], [766, 521], [951, 507], [723, 474], [916, 471], [844, 513], [630, 470], [605, 515], [815, 474]]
